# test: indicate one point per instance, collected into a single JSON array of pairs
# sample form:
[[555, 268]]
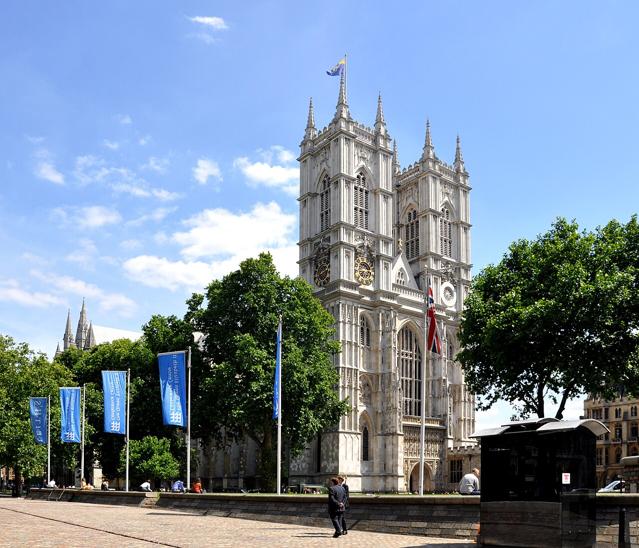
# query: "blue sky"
[[147, 147]]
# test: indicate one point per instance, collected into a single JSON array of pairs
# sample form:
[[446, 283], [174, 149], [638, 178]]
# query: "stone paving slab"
[[38, 523]]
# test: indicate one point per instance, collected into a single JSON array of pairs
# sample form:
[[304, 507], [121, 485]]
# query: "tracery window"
[[401, 277], [365, 441], [360, 202], [412, 234], [325, 204], [410, 358], [364, 333], [445, 233]]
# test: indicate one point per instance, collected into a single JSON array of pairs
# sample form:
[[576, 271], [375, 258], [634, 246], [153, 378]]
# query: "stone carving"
[[365, 392], [362, 156], [447, 191]]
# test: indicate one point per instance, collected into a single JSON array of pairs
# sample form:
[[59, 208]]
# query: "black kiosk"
[[538, 483]]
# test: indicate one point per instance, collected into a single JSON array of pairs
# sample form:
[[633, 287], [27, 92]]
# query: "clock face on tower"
[[364, 271], [322, 272]]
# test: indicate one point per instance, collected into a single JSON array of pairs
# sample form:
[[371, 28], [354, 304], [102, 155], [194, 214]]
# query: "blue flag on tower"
[[173, 387], [70, 415], [278, 372], [114, 388], [38, 412], [338, 69]]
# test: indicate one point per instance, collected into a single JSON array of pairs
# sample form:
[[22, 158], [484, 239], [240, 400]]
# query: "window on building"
[[618, 432], [412, 234], [633, 411], [617, 412], [618, 455], [360, 202], [455, 471], [445, 233], [634, 431], [325, 204], [365, 448], [364, 333], [600, 457], [401, 277], [606, 417], [411, 371]]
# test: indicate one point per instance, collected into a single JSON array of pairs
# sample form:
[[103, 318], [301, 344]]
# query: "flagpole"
[[84, 393], [422, 427], [346, 75], [279, 412], [128, 395], [188, 428], [48, 440]]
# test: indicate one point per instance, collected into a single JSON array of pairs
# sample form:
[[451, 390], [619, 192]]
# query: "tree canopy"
[[556, 318]]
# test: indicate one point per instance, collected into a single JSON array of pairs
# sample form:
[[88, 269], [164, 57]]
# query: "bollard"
[[622, 528]]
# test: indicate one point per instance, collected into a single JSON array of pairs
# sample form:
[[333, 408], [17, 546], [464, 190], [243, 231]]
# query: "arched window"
[[365, 441], [410, 358], [325, 204], [445, 233], [364, 333], [401, 277], [412, 234], [360, 202]]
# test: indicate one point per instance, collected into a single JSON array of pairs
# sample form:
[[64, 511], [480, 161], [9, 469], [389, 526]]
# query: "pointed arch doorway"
[[414, 479]]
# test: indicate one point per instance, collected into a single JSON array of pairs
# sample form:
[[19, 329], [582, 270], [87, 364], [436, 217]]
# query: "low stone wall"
[[120, 498], [608, 507], [436, 516]]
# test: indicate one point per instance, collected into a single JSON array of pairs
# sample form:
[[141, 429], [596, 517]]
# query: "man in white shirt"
[[469, 484], [145, 486]]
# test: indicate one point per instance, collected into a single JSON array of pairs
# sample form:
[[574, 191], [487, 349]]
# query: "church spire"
[[342, 103], [81, 333], [90, 342], [396, 167], [380, 124], [67, 339], [459, 159], [311, 132], [429, 150]]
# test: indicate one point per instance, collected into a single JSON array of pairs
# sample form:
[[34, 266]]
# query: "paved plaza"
[[41, 523]]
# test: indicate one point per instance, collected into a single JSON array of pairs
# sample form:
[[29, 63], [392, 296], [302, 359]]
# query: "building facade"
[[621, 417], [371, 234]]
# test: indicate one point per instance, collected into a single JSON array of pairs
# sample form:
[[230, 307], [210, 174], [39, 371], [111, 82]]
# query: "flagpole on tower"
[[346, 75]]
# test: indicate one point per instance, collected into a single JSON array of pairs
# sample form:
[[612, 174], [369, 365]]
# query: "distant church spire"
[[380, 124], [459, 159], [90, 342], [429, 150], [67, 339], [342, 103], [81, 333], [311, 132], [396, 168]]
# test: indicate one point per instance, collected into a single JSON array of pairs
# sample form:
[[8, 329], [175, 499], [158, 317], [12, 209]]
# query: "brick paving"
[[40, 523]]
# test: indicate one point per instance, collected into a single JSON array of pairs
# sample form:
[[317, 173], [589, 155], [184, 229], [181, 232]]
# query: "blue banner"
[[70, 415], [38, 412], [114, 388], [278, 372], [173, 388]]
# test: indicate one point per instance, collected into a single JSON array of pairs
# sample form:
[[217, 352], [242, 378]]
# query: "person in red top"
[[197, 486]]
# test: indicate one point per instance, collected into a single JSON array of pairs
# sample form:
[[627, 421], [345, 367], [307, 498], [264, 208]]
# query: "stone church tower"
[[370, 234]]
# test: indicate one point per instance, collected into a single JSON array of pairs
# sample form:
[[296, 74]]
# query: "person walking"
[[469, 484], [347, 501], [336, 505]]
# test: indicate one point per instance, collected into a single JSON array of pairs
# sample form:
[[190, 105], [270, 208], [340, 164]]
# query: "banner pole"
[[188, 428], [48, 439], [128, 396], [422, 426], [279, 413], [84, 393]]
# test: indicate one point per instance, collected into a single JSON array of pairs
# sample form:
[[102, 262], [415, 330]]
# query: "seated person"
[[146, 486], [178, 487], [197, 486], [469, 484]]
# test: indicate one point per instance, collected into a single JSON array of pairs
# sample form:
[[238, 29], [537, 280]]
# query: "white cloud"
[[206, 169], [33, 258], [215, 232], [112, 302], [284, 176], [159, 165], [112, 145], [144, 140], [124, 119], [84, 255], [215, 23], [47, 171], [155, 215], [11, 291], [87, 217], [161, 272], [130, 244]]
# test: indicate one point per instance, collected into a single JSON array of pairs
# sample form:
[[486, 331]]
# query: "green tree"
[[150, 458], [239, 317], [557, 317], [23, 374]]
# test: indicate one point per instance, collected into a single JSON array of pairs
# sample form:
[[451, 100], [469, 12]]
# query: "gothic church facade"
[[371, 234]]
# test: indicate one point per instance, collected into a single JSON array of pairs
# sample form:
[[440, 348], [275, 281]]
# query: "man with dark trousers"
[[336, 506], [342, 482]]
